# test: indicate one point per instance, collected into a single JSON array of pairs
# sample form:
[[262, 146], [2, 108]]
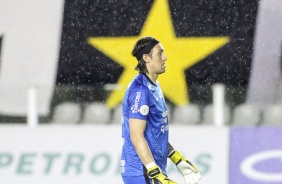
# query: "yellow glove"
[[187, 169], [157, 176]]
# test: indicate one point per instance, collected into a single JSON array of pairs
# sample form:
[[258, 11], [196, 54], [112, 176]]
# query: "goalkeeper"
[[145, 123]]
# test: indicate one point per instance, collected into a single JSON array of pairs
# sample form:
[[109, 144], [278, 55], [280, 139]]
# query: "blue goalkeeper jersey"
[[144, 100]]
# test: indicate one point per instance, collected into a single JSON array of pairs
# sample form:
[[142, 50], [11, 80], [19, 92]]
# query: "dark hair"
[[141, 44]]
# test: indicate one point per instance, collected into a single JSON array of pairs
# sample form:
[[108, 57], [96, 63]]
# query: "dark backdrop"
[[82, 65]]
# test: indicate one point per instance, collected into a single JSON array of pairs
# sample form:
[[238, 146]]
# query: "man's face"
[[157, 60]]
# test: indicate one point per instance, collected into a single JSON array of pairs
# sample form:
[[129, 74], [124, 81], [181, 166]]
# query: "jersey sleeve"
[[139, 104]]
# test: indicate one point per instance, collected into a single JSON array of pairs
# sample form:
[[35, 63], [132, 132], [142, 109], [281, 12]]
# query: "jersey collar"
[[149, 79]]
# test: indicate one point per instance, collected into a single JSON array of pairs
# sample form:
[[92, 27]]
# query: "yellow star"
[[182, 53]]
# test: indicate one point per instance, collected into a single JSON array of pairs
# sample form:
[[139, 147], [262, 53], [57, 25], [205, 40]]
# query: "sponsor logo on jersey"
[[165, 121], [122, 164], [164, 128], [134, 108], [165, 117], [122, 119], [165, 114], [144, 110]]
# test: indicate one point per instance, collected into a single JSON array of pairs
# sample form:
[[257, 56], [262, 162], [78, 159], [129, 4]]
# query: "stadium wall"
[[91, 154]]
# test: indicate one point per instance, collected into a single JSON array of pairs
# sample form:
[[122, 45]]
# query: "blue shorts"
[[136, 180]]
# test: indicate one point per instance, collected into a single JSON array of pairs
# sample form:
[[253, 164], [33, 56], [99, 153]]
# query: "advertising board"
[[255, 155], [91, 154]]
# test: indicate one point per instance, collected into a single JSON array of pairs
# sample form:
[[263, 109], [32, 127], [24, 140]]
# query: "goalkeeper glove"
[[157, 176], [187, 169]]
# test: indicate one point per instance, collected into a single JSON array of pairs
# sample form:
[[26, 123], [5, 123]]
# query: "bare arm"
[[137, 128]]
